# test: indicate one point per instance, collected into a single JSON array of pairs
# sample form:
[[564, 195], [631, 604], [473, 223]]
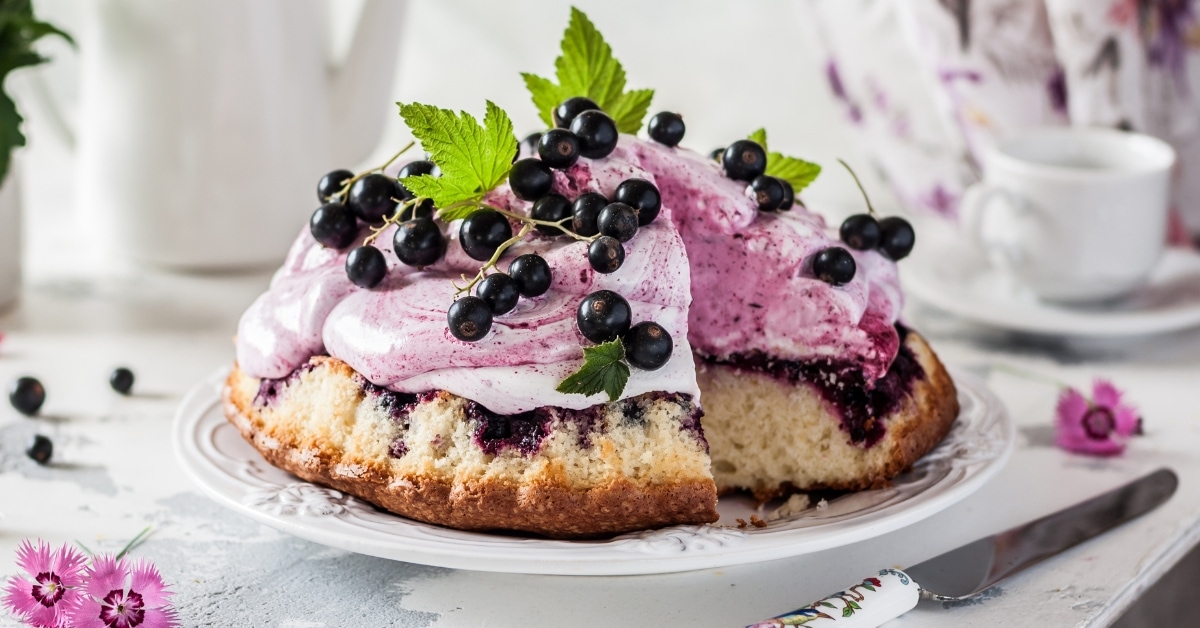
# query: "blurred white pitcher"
[[205, 124]]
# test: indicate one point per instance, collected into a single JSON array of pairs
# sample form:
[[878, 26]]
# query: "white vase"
[[10, 237]]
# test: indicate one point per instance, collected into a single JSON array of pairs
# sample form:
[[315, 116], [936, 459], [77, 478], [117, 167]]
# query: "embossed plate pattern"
[[230, 471]]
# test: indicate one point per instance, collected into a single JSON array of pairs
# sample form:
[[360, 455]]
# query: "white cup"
[[1076, 215]]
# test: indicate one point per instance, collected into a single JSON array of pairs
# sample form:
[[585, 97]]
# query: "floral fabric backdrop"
[[931, 85]]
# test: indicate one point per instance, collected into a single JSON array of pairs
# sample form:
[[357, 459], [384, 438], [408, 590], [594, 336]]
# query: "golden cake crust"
[[548, 504]]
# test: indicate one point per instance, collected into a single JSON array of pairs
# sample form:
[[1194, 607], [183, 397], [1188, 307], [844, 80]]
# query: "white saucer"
[[234, 474], [953, 278]]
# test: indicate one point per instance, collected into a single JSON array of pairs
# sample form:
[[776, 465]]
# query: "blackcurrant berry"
[[618, 220], [559, 148], [585, 211], [530, 179], [641, 195], [648, 346], [768, 192], [606, 254], [500, 293], [423, 209], [597, 134], [551, 208], [418, 168], [896, 237], [482, 233], [789, 195], [121, 380], [27, 395], [366, 267], [666, 128], [469, 318], [717, 153], [860, 232], [603, 316], [743, 160], [834, 266], [529, 144], [565, 113], [531, 273], [40, 449], [333, 225], [419, 242], [373, 197], [331, 184]]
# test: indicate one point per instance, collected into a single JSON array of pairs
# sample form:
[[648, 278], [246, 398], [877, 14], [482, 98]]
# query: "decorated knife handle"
[[868, 604]]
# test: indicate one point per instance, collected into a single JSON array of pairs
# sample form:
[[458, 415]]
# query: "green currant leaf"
[[587, 68], [603, 370], [473, 158], [794, 170]]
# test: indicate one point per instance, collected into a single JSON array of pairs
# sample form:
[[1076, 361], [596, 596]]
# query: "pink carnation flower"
[[1099, 426], [124, 594], [52, 589]]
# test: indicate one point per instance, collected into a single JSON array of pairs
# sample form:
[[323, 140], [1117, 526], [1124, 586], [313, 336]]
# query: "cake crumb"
[[756, 522], [741, 524], [822, 505], [796, 504]]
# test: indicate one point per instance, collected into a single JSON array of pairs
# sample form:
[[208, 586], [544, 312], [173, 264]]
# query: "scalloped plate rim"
[[478, 551]]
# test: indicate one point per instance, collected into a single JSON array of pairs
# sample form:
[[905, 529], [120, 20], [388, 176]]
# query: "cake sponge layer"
[[629, 465], [770, 436]]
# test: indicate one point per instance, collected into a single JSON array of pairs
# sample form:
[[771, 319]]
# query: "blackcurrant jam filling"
[[842, 386], [270, 389], [495, 433], [398, 405]]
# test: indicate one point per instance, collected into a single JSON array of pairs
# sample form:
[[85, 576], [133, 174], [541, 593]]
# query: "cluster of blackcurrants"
[[27, 394], [372, 199], [892, 236], [745, 160]]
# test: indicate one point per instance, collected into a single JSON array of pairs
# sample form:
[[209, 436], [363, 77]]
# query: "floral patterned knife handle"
[[865, 605]]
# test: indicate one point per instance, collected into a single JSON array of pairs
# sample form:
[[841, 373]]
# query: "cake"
[[766, 357]]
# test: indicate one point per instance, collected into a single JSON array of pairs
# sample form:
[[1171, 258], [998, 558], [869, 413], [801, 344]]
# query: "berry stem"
[[870, 209], [389, 221], [491, 263], [346, 188], [546, 223]]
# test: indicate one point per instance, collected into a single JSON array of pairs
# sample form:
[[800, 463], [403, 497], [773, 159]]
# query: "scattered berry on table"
[[27, 395], [121, 380], [40, 449]]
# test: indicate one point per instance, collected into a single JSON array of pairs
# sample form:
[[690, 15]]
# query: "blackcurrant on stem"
[[546, 223], [870, 209], [491, 263], [349, 182], [390, 220]]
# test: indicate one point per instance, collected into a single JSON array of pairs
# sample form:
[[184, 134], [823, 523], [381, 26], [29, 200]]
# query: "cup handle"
[[982, 199]]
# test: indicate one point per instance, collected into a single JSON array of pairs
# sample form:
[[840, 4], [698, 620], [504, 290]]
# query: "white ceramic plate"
[[960, 282], [232, 472]]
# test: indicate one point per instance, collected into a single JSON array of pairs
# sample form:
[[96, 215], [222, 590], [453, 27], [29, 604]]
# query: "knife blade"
[[973, 568]]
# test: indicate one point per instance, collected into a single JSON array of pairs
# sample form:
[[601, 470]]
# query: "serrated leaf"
[[587, 68], [473, 158], [604, 370], [19, 29], [630, 109], [798, 172]]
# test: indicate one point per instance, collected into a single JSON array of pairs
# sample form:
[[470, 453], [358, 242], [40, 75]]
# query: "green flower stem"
[[870, 209], [1030, 375]]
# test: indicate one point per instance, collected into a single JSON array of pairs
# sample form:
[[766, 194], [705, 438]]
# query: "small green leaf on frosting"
[[473, 158], [603, 370], [587, 68], [794, 170]]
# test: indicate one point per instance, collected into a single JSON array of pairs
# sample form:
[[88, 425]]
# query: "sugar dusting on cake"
[[748, 268]]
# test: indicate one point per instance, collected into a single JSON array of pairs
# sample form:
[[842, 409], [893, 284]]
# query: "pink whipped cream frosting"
[[748, 270]]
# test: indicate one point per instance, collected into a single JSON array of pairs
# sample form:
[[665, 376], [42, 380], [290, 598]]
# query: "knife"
[[974, 567]]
